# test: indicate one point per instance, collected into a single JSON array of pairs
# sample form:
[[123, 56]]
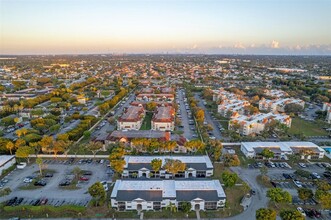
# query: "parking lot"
[[52, 194], [185, 115]]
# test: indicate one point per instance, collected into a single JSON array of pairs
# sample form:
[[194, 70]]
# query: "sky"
[[293, 27]]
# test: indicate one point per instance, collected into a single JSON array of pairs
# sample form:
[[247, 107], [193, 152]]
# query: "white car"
[[27, 180], [297, 183], [301, 211], [302, 165]]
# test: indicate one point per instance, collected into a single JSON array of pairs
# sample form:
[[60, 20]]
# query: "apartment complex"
[[255, 124], [155, 97], [140, 166], [131, 119], [278, 105], [158, 194], [230, 108], [274, 93], [281, 150], [164, 119]]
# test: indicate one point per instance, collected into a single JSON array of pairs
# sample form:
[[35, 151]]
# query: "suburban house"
[[278, 105], [158, 194], [131, 119], [255, 124], [164, 119], [140, 166], [17, 96], [307, 150]]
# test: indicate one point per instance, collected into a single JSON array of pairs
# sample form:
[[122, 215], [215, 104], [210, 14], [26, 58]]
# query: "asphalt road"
[[208, 118], [188, 132]]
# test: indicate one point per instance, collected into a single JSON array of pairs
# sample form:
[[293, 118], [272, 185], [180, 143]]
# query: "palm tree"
[[39, 161]]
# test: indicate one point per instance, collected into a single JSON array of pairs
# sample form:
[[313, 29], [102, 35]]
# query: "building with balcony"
[[131, 119], [140, 166], [157, 194], [164, 119]]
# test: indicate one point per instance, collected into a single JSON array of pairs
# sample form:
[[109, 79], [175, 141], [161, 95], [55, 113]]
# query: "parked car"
[[48, 174], [28, 179], [40, 183], [88, 173], [301, 211], [315, 176], [297, 183], [83, 178], [43, 201]]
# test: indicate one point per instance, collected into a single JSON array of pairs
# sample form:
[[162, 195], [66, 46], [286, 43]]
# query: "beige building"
[[131, 119], [163, 119]]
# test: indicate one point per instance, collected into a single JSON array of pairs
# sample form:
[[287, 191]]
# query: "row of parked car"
[[270, 164], [320, 165], [17, 201]]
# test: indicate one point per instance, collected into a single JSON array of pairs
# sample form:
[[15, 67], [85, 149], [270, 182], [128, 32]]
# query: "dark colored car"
[[11, 201], [273, 184], [40, 183], [253, 192], [88, 173], [49, 175], [64, 183]]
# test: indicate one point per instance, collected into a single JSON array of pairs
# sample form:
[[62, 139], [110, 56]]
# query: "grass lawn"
[[306, 127], [146, 125]]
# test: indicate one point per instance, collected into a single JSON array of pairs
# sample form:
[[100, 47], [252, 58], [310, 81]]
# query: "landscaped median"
[[28, 211]]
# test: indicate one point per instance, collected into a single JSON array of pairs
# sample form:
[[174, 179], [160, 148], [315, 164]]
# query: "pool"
[[327, 149]]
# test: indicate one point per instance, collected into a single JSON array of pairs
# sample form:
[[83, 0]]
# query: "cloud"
[[239, 45], [275, 44]]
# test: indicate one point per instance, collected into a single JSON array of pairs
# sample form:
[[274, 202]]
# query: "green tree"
[[229, 179], [279, 196], [98, 193], [76, 171], [151, 106], [39, 161], [231, 160], [94, 147], [116, 159], [305, 194], [265, 214], [156, 164], [266, 153], [195, 145], [186, 207], [10, 146], [174, 166], [24, 152], [324, 198], [293, 108], [172, 207], [291, 215]]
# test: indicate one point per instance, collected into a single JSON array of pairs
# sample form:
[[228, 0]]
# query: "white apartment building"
[[278, 105], [230, 108], [131, 119], [140, 166], [164, 119], [306, 150], [158, 194], [221, 94], [327, 108], [255, 124], [274, 93]]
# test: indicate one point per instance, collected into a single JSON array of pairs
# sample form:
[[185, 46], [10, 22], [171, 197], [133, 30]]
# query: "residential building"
[[126, 136], [232, 108], [278, 105], [274, 93], [155, 97], [131, 119], [140, 166], [281, 150], [164, 119], [158, 194], [255, 124]]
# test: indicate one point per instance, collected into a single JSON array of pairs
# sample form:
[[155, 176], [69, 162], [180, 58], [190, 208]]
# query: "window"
[[210, 205]]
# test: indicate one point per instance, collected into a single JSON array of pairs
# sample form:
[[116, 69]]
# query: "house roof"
[[130, 134], [209, 190]]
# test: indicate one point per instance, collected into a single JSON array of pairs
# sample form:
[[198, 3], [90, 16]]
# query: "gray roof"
[[148, 195], [188, 195], [138, 166]]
